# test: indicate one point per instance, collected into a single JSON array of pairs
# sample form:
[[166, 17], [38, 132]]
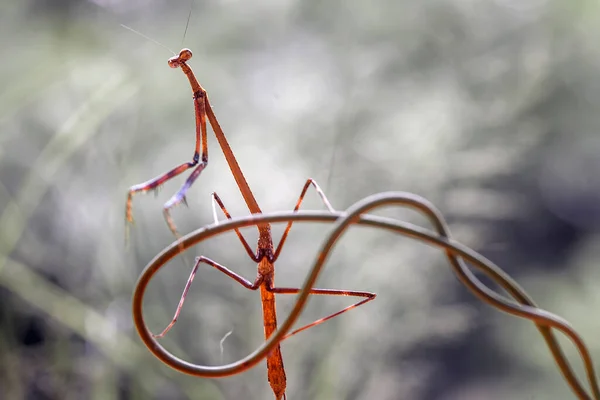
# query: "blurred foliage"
[[489, 109]]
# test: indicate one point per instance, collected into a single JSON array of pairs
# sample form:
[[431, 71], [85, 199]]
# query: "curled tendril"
[[457, 253]]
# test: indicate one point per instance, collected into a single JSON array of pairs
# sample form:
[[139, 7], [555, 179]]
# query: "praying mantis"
[[266, 253]]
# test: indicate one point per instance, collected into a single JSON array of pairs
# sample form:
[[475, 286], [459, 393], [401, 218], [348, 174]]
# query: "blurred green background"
[[488, 109]]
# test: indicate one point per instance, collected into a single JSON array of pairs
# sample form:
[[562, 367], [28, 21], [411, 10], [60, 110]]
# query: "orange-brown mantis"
[[265, 255]]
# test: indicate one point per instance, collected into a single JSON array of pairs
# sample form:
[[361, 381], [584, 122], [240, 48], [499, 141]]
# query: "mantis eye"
[[185, 54]]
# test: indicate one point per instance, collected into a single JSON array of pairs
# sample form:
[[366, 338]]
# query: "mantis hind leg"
[[238, 278], [366, 297]]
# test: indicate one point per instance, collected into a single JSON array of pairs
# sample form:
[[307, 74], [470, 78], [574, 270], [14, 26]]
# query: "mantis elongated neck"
[[247, 194], [232, 162]]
